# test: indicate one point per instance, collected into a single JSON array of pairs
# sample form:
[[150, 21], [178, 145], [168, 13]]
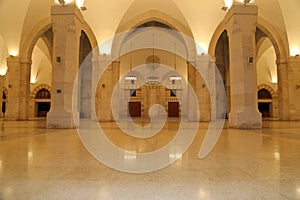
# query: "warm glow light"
[[277, 156], [242, 1], [66, 1], [274, 80], [3, 71], [202, 194], [13, 53], [130, 78], [130, 156], [201, 49], [29, 154], [32, 79], [228, 3], [80, 3], [105, 47], [294, 51], [175, 78], [175, 156]]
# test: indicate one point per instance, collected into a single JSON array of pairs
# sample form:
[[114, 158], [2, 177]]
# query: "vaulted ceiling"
[[105, 18]]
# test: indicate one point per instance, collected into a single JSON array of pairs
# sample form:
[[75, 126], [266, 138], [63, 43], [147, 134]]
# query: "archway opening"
[[222, 63], [85, 60], [42, 101], [41, 74], [266, 68], [4, 99], [265, 103]]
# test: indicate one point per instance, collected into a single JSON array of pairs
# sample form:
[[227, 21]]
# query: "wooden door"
[[134, 109], [173, 109]]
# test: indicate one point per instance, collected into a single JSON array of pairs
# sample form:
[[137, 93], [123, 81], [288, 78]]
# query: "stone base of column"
[[247, 119], [61, 119], [11, 118]]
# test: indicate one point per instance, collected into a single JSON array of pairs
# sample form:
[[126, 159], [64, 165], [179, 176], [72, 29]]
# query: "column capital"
[[70, 9], [241, 10], [238, 19], [294, 59], [12, 59]]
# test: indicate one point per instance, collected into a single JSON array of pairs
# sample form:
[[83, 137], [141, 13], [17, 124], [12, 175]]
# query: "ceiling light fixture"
[[130, 77], [175, 77]]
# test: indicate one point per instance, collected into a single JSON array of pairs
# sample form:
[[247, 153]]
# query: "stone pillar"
[[241, 26], [2, 80], [106, 85], [283, 91], [32, 107], [19, 89], [67, 23], [294, 87], [274, 106], [85, 83], [95, 94], [202, 83]]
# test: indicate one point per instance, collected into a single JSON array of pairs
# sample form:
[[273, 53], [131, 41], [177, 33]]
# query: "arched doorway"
[[85, 60], [43, 102], [4, 99], [265, 103], [222, 63]]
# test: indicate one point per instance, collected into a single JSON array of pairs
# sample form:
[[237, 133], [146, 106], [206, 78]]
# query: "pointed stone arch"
[[29, 40], [280, 46], [268, 88], [160, 17], [38, 88]]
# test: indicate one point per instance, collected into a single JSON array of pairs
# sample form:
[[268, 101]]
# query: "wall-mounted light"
[[294, 51], [246, 2], [227, 4], [3, 72], [274, 80], [83, 8], [13, 53], [224, 8], [62, 2]]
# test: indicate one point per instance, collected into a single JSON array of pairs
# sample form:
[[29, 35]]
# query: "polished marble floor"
[[39, 163]]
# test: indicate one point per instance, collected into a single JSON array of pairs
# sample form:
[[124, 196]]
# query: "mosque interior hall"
[[149, 99]]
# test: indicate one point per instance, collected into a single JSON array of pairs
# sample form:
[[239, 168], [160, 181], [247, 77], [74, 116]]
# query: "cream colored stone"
[[19, 89], [241, 25], [67, 25]]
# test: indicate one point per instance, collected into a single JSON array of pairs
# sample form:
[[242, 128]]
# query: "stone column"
[[95, 94], [294, 87], [67, 23], [2, 80], [202, 83], [19, 88], [241, 26], [283, 91], [106, 85], [275, 106]]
